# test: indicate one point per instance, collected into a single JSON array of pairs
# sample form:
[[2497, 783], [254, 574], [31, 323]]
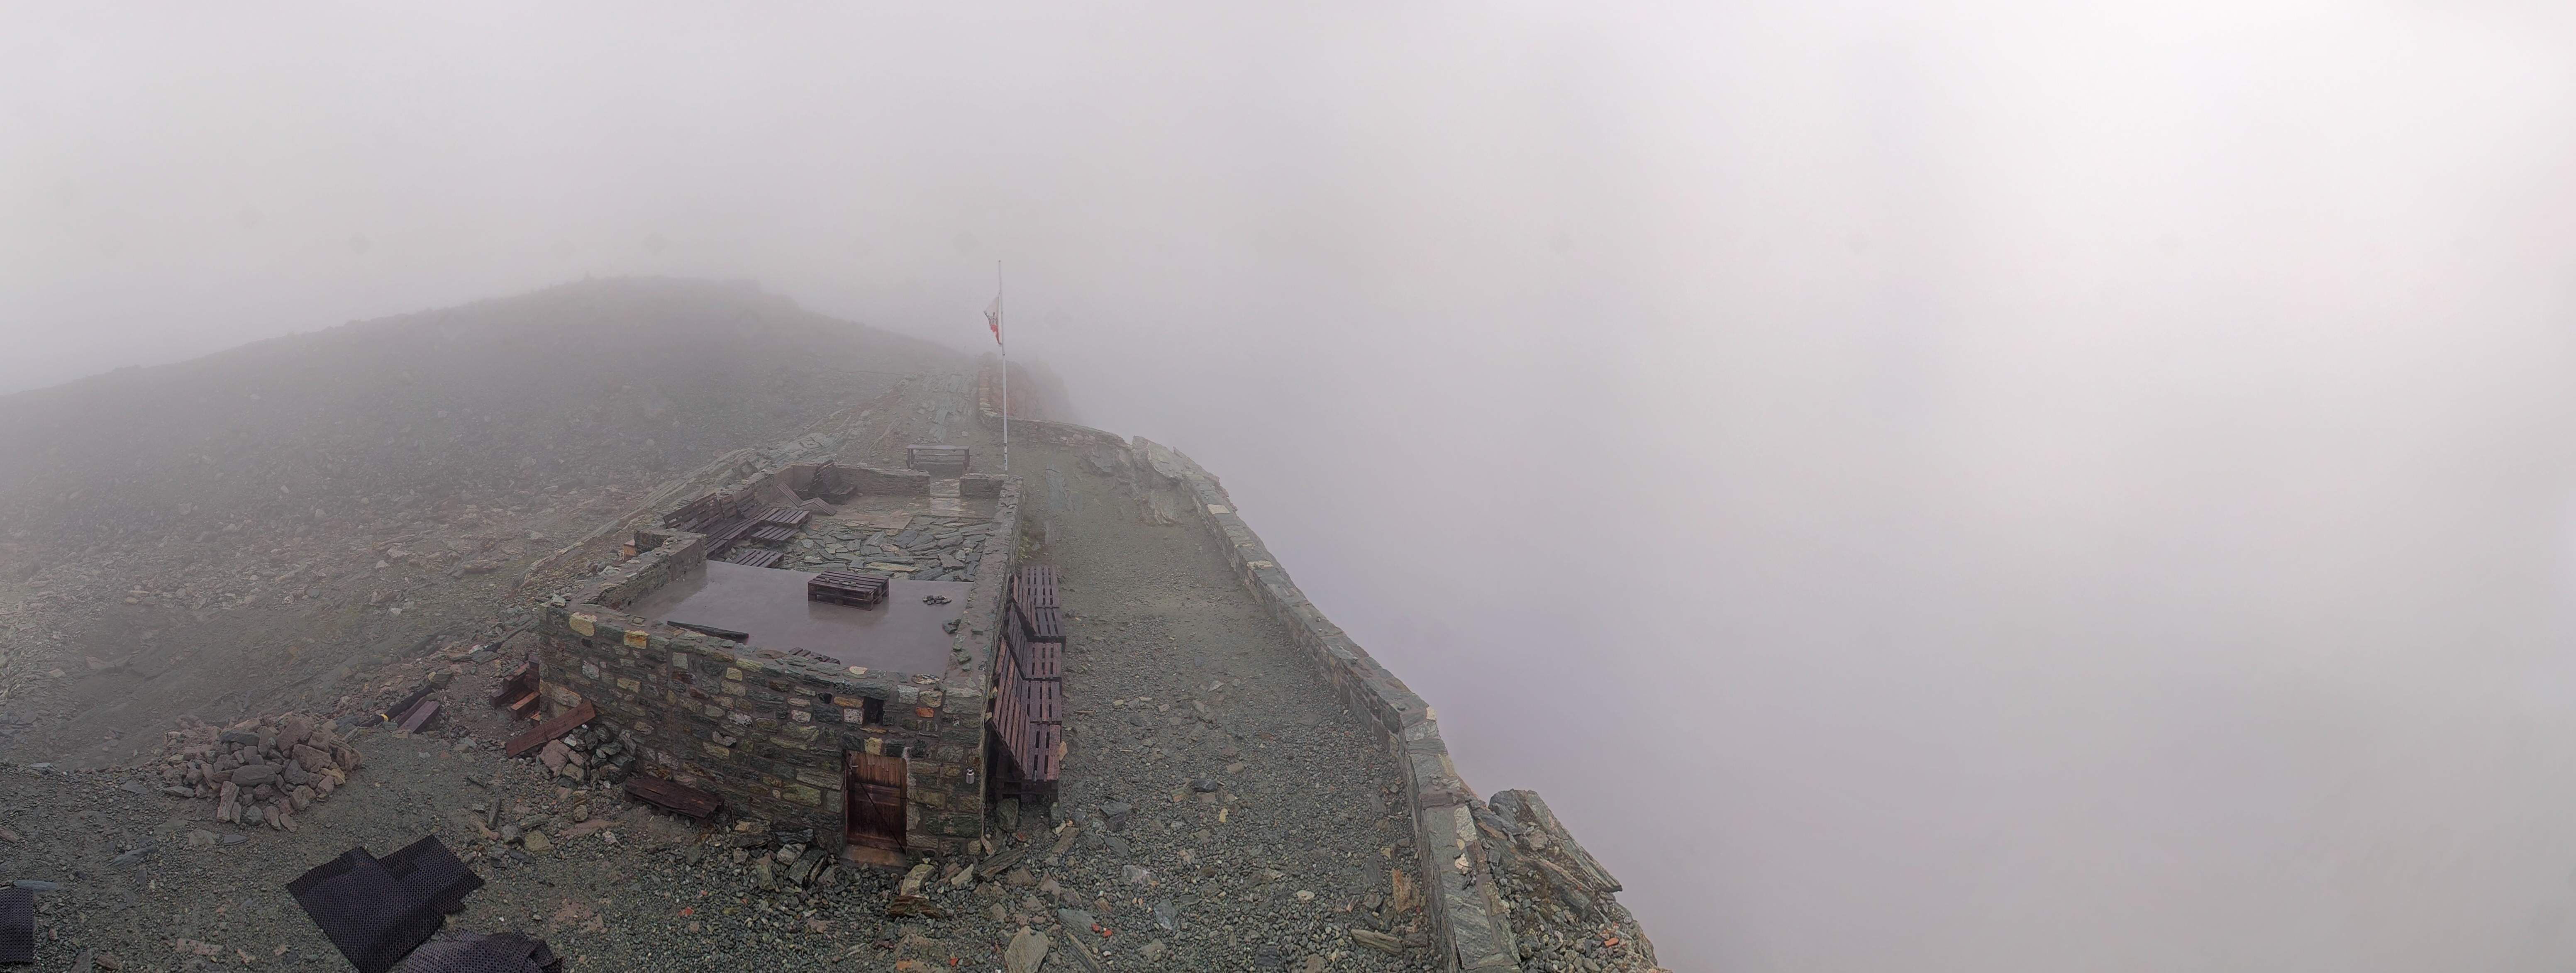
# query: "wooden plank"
[[420, 716], [679, 798], [550, 729]]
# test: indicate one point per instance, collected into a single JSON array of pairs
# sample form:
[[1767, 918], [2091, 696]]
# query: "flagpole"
[[1006, 367]]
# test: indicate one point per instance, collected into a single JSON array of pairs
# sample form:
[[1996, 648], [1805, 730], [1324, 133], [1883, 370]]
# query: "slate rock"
[[1028, 948]]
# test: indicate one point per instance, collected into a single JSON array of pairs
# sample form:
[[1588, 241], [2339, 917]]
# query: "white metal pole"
[[1005, 342]]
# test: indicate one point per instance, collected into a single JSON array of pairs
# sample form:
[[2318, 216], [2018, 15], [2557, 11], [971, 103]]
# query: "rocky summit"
[[265, 607]]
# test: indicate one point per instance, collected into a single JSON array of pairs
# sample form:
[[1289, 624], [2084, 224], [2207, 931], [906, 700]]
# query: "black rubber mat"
[[478, 953], [17, 925], [376, 916], [428, 871]]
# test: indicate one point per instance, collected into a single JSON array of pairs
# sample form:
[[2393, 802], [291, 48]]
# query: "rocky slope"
[[253, 531]]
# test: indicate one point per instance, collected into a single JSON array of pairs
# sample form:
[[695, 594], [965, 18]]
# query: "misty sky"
[[1988, 485]]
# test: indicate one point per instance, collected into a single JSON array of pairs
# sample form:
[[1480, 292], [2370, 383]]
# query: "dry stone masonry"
[[768, 731]]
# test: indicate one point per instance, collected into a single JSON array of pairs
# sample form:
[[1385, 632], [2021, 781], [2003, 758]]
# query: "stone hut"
[[704, 655]]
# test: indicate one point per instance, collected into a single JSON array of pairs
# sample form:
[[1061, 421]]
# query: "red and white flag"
[[993, 316]]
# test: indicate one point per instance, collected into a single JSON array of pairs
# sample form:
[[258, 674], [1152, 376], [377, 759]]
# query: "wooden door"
[[873, 789]]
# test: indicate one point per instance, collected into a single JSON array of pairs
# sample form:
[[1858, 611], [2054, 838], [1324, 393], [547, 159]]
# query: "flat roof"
[[902, 635]]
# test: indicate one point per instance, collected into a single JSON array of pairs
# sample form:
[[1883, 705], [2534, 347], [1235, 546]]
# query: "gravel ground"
[[1269, 817], [1220, 809]]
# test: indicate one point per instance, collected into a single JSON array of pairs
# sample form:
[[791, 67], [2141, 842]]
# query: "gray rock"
[[1027, 950], [33, 885], [1076, 919], [1167, 916]]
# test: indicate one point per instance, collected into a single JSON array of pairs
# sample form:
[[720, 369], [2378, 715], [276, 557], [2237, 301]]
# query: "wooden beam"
[[550, 729]]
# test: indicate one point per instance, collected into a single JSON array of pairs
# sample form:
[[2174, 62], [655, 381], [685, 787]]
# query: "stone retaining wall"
[[766, 730]]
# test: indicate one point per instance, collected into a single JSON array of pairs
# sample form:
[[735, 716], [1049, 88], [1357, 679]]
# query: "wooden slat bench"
[[772, 533], [1045, 700], [754, 557], [1033, 660], [550, 729], [726, 634], [678, 798], [1041, 623], [1034, 586], [847, 588], [935, 458]]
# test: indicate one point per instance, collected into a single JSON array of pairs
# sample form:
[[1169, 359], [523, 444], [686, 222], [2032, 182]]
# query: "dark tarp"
[[378, 911], [477, 953], [17, 925]]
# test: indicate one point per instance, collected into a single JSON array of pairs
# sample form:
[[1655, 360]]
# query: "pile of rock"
[[589, 752], [258, 771], [1560, 901]]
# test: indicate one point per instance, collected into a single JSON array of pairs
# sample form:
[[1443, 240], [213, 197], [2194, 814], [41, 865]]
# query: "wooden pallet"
[[549, 730], [847, 588], [772, 533], [678, 798], [754, 557], [786, 516]]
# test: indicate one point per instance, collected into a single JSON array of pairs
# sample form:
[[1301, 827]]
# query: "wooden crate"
[[753, 557]]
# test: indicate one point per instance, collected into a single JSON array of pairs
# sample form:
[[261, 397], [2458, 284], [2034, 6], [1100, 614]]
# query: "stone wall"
[[765, 730]]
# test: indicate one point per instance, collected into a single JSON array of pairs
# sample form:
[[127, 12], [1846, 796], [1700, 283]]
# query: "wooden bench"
[[786, 516], [726, 634], [1033, 660], [772, 533], [754, 557], [935, 458], [680, 799], [1034, 586], [847, 588], [1040, 623]]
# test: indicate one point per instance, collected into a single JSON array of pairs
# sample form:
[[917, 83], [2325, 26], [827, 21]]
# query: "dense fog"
[[1974, 485]]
